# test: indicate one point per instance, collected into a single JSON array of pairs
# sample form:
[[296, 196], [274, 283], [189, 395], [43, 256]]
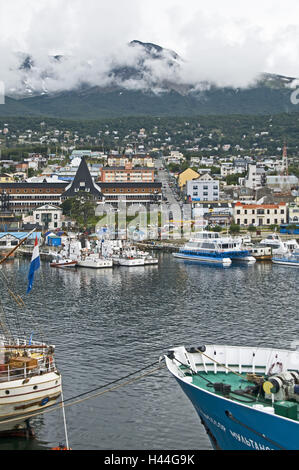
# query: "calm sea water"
[[108, 323]]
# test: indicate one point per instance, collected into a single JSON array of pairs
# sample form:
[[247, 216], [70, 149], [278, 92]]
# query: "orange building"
[[127, 174]]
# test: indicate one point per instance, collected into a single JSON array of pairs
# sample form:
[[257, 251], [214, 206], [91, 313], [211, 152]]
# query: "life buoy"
[[61, 447]]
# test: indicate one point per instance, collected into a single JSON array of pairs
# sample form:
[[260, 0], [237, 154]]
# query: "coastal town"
[[243, 192], [149, 229]]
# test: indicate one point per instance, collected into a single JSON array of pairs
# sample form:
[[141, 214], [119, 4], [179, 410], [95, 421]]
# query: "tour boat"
[[247, 398], [214, 248]]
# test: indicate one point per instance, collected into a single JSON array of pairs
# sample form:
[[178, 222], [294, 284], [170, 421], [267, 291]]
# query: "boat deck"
[[239, 389]]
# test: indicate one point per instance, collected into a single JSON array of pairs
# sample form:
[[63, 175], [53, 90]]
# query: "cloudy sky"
[[224, 41]]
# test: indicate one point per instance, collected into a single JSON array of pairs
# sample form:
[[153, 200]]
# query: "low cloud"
[[227, 46]]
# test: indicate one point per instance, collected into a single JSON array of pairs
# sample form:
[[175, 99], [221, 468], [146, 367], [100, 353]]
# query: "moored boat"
[[288, 259], [279, 246], [130, 261], [261, 252], [63, 263], [213, 248], [94, 261], [247, 398], [29, 379]]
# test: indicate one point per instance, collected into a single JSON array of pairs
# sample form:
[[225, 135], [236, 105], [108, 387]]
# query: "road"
[[168, 191]]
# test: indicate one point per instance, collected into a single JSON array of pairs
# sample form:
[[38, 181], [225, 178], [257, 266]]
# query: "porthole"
[[35, 387], [7, 392]]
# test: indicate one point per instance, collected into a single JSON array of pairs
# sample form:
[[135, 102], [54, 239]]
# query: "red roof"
[[261, 206]]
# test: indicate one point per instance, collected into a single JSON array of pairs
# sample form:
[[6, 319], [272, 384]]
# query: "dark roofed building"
[[133, 193], [25, 196], [82, 182]]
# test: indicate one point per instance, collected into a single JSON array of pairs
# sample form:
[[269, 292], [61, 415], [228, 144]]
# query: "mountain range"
[[149, 85]]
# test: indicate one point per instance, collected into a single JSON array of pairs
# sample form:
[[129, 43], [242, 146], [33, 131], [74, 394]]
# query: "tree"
[[31, 172], [234, 228], [81, 208]]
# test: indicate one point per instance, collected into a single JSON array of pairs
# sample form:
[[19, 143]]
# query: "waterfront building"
[[132, 193], [260, 214], [49, 217], [215, 213], [26, 196]]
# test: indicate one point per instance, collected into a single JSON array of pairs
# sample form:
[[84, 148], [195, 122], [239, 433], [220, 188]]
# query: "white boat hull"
[[131, 262], [286, 263], [19, 400], [151, 261], [95, 263], [204, 259], [246, 259]]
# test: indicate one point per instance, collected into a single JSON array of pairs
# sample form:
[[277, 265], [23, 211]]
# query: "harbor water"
[[108, 323]]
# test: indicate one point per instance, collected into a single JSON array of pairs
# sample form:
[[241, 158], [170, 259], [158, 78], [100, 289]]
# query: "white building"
[[49, 217], [202, 189], [256, 177], [260, 214]]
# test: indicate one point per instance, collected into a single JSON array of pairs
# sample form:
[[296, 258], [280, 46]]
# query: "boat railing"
[[9, 374]]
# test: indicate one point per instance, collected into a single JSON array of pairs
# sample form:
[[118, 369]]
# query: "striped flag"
[[34, 265]]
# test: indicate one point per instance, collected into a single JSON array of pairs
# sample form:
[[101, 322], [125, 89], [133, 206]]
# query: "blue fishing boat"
[[289, 259], [247, 398], [213, 248]]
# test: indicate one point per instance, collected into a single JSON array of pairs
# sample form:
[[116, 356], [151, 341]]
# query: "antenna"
[[285, 167]]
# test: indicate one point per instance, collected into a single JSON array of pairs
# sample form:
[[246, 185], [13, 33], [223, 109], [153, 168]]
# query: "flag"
[[30, 339], [34, 265]]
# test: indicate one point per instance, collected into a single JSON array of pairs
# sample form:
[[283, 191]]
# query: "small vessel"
[[63, 263], [66, 258], [247, 398], [261, 252], [288, 259], [127, 260], [213, 248], [94, 261], [150, 260], [29, 379], [127, 255], [279, 246]]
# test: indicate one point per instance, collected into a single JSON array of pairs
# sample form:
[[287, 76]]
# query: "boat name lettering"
[[248, 442], [216, 423]]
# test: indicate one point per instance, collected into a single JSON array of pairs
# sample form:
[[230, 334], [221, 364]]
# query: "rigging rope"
[[81, 397]]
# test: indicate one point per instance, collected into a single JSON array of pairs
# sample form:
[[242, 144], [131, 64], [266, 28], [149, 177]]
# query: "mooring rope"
[[82, 397]]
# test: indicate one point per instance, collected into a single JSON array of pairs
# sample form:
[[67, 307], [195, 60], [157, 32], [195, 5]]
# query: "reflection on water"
[[108, 323]]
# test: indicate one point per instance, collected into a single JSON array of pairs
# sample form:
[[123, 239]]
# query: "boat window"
[[210, 246]]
